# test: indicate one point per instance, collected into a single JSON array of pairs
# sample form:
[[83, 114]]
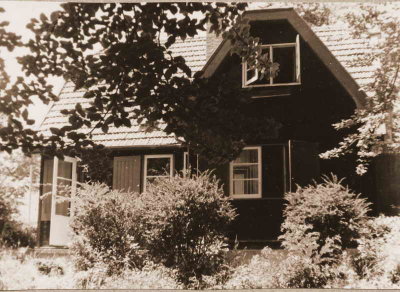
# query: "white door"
[[63, 188]]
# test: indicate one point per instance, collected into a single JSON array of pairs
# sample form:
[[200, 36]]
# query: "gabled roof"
[[194, 52], [333, 44], [309, 36]]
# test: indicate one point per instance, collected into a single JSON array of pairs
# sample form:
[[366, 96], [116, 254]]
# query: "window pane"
[[245, 187], [245, 171], [251, 73], [47, 188], [247, 156], [63, 197], [64, 169], [158, 166], [286, 58]]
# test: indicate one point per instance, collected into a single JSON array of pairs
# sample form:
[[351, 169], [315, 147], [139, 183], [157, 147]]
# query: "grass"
[[19, 271]]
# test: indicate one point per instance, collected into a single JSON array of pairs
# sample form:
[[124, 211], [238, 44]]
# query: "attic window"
[[287, 55]]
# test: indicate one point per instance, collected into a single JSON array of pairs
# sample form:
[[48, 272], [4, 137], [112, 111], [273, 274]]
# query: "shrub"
[[106, 227], [321, 220], [366, 260], [258, 273], [15, 234], [329, 211], [185, 219], [395, 275], [12, 233], [377, 259], [280, 269], [178, 222]]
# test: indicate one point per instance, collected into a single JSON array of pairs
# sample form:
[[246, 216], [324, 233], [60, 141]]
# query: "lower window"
[[156, 166], [245, 174]]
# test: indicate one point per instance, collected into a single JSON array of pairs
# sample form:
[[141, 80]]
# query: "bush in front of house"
[[179, 222], [321, 220], [12, 233], [186, 219], [15, 234], [106, 228], [327, 211], [376, 263]]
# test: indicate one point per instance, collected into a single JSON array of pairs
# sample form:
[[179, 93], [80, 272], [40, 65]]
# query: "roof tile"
[[337, 39]]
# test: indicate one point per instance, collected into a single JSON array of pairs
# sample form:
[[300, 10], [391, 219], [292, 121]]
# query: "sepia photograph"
[[199, 145]]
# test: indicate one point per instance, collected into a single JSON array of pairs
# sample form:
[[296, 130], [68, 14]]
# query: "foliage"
[[269, 269], [282, 269], [185, 219], [299, 271], [96, 164], [17, 274], [5, 212], [314, 13], [14, 234], [381, 25], [366, 260], [47, 267], [178, 222], [375, 263], [321, 220], [15, 181], [105, 227], [323, 212], [16, 178], [259, 273], [115, 54], [151, 276]]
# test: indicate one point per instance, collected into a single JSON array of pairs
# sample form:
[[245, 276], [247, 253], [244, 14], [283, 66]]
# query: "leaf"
[[25, 114], [104, 128], [55, 131], [79, 109]]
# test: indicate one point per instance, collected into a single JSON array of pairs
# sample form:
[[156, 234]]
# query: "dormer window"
[[287, 55]]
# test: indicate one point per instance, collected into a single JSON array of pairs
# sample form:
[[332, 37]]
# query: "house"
[[317, 86]]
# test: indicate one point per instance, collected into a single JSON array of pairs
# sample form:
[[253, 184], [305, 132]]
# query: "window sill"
[[244, 197], [272, 85], [254, 198]]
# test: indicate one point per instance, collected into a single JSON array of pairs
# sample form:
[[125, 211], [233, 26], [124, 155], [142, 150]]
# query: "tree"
[[17, 174], [314, 13], [115, 52], [382, 25]]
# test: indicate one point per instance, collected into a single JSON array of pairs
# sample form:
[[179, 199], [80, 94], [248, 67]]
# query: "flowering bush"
[[185, 219], [106, 228]]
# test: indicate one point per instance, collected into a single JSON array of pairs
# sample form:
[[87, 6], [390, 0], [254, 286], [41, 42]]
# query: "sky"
[[19, 14]]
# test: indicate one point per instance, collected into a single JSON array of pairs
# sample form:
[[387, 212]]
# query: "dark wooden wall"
[[306, 112]]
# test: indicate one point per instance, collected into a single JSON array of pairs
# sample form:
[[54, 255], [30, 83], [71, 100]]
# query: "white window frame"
[[259, 164], [146, 157], [248, 83], [73, 179], [58, 235], [185, 159]]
